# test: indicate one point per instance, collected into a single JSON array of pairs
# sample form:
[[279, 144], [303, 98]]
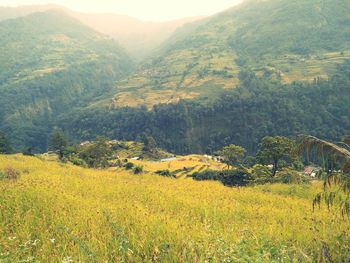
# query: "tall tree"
[[58, 142], [274, 149], [96, 155], [5, 144], [149, 143], [233, 155]]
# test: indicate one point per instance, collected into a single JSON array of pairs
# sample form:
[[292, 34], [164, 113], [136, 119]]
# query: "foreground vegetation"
[[54, 212]]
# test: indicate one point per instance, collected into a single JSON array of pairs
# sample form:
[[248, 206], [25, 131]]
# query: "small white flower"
[[35, 242], [52, 240], [12, 238], [67, 260]]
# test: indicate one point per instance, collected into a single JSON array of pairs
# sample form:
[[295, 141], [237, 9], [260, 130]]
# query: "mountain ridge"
[[139, 37], [204, 58], [50, 64]]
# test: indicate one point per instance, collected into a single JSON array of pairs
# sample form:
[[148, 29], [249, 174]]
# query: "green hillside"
[[50, 63], [258, 107], [138, 37], [285, 40]]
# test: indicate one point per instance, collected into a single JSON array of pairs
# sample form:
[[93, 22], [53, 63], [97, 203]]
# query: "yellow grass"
[[191, 163], [58, 212]]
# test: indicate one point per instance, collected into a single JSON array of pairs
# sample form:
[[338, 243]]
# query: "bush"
[[262, 174], [9, 173], [206, 175], [129, 166], [289, 176], [138, 169], [240, 177], [78, 162], [165, 173]]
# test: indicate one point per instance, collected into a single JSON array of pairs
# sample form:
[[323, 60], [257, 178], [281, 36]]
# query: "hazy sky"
[[155, 10]]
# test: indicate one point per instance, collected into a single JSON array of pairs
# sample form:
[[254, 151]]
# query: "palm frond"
[[323, 148], [346, 139]]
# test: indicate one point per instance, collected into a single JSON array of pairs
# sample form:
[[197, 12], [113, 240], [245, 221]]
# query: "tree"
[[97, 154], [239, 177], [149, 143], [58, 143], [276, 149], [233, 155], [28, 151], [5, 144]]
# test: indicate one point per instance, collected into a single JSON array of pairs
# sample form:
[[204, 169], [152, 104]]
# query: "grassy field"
[[183, 166], [62, 213]]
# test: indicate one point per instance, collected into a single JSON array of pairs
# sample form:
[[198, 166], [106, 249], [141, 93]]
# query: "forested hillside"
[[285, 40], [139, 38], [50, 63], [257, 69], [258, 107]]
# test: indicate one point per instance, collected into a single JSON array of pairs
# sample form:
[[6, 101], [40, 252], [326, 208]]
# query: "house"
[[311, 171]]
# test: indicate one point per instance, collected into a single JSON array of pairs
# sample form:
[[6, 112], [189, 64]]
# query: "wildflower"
[[12, 238], [52, 240], [67, 260], [35, 242]]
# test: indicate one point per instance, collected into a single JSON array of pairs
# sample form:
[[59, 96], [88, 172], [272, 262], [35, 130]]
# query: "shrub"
[[262, 174], [165, 173], [289, 176], [206, 175], [138, 169], [78, 162], [9, 173], [240, 177], [129, 166]]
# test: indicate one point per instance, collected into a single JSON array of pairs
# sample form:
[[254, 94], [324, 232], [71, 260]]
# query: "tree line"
[[259, 107]]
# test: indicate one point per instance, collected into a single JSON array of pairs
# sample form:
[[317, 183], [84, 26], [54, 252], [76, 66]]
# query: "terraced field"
[[182, 166], [61, 213]]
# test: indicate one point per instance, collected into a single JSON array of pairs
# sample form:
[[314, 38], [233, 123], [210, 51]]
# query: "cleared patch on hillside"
[[182, 166]]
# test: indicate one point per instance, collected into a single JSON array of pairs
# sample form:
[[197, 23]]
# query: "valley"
[[222, 137]]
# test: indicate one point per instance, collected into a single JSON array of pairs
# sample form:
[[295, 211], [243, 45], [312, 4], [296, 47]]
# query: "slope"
[[57, 212], [50, 62], [284, 40]]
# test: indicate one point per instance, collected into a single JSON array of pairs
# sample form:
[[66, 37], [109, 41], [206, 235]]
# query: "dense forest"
[[257, 108], [49, 64]]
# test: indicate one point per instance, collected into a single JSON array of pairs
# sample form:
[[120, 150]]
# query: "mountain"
[[286, 40], [50, 63], [138, 37], [15, 12], [271, 67]]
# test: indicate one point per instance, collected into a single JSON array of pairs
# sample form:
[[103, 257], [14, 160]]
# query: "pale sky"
[[150, 10]]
